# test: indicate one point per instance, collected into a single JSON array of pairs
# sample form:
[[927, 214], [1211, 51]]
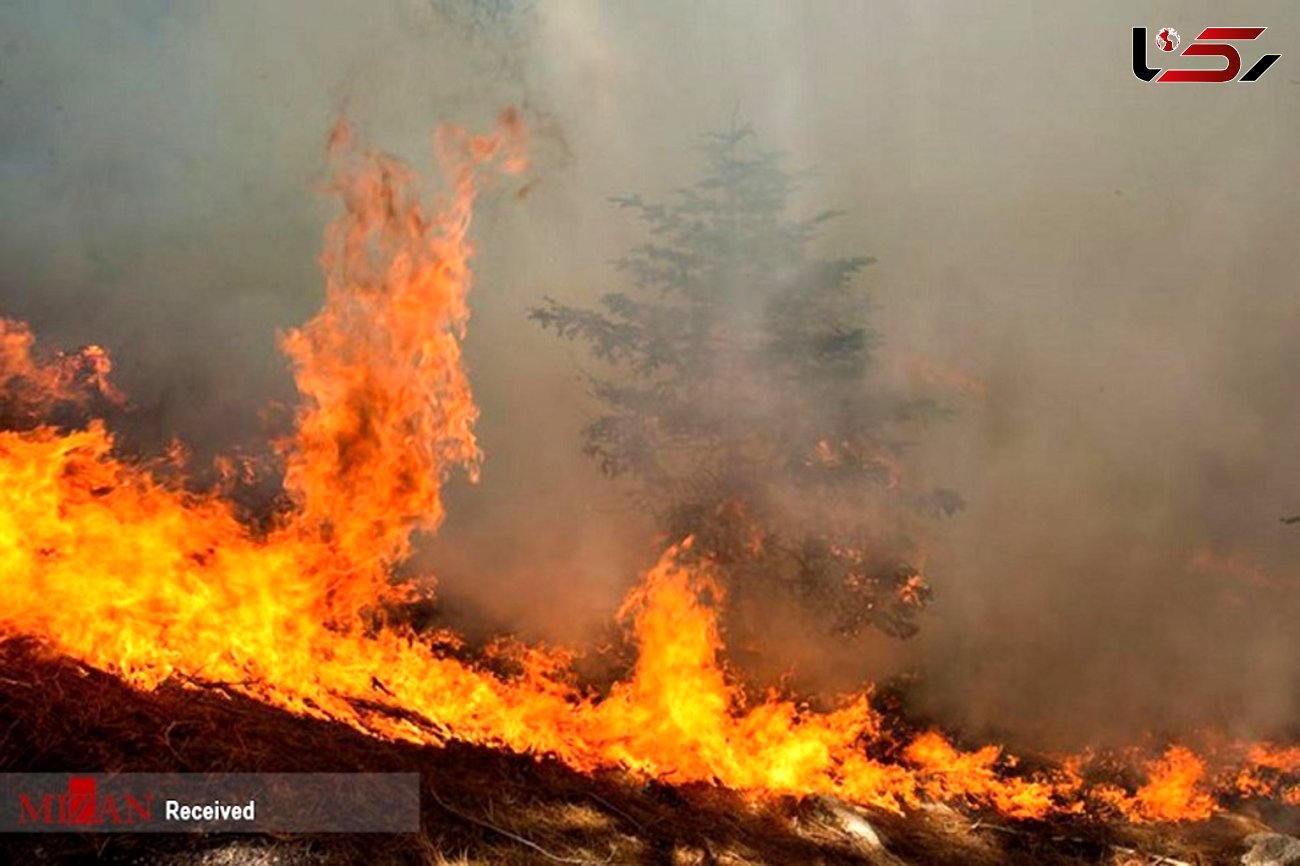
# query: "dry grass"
[[486, 808]]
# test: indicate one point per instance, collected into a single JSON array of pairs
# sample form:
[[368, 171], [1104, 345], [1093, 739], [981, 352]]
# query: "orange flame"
[[1265, 770], [30, 387], [948, 774], [387, 407], [106, 563], [1173, 791]]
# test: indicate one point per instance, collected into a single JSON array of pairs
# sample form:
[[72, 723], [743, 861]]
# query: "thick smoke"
[[1097, 271]]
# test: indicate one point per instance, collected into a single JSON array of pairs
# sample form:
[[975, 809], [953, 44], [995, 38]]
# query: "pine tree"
[[737, 398]]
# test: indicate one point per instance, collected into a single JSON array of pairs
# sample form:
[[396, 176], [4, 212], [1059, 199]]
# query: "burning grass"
[[484, 806], [261, 648]]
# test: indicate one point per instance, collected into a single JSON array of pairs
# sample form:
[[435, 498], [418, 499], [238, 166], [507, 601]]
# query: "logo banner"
[[210, 803]]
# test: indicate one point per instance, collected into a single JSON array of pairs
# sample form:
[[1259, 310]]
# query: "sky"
[[1111, 260]]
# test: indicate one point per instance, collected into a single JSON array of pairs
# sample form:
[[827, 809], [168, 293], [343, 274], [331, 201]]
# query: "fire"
[[30, 388], [387, 408], [948, 774], [1173, 791], [679, 717], [1265, 770], [107, 562]]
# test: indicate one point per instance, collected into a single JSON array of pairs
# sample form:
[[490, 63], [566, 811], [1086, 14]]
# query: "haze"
[[1112, 260]]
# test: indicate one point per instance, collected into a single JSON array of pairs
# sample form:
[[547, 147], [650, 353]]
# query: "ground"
[[482, 806]]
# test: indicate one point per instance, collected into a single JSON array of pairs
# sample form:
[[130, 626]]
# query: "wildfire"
[[1173, 791], [31, 388], [1265, 771], [108, 563]]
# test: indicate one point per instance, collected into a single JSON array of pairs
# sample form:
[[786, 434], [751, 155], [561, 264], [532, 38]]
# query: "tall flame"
[[387, 407], [106, 563]]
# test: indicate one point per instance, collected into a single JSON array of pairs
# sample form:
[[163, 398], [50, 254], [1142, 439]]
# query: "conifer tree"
[[737, 397]]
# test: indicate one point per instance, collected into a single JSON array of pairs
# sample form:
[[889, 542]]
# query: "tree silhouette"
[[736, 397]]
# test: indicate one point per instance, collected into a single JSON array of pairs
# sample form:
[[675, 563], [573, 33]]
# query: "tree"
[[736, 396]]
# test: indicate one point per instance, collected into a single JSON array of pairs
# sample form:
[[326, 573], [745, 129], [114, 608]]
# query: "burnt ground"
[[481, 806]]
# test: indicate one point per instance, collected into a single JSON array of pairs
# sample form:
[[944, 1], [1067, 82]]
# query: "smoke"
[[1099, 269]]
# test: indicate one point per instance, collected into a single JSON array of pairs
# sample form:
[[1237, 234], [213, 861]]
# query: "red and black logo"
[[1213, 42], [81, 805]]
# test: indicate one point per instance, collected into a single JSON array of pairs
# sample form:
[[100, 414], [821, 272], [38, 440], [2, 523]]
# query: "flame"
[[948, 774], [1173, 791], [1265, 770], [111, 564], [30, 388], [386, 405]]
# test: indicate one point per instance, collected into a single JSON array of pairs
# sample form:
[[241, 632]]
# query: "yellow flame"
[[108, 564]]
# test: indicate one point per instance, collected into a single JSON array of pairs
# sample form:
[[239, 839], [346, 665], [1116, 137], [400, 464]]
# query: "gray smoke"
[[1109, 261]]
